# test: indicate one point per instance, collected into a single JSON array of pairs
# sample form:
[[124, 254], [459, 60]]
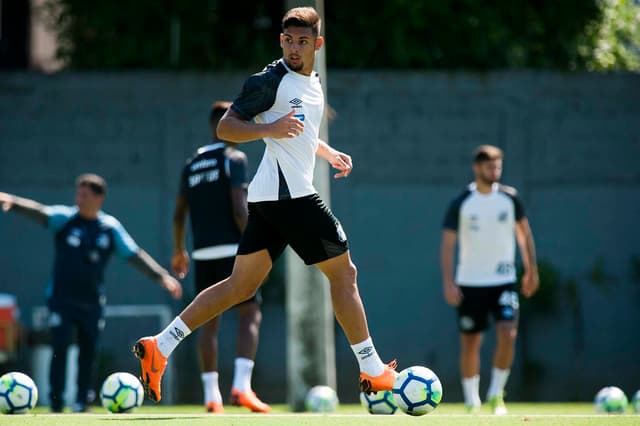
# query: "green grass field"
[[446, 414]]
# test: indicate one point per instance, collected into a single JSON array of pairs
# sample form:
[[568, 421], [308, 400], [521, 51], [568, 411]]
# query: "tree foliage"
[[404, 34]]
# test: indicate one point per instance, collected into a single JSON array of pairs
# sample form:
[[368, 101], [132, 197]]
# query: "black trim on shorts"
[[209, 272], [305, 223]]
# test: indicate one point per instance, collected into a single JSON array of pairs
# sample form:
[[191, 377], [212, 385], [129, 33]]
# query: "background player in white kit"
[[282, 105], [486, 220]]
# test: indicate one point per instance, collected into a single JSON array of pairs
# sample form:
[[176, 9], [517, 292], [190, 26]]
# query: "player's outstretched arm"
[[452, 293], [26, 207], [145, 263], [530, 279], [233, 128], [180, 259], [338, 160]]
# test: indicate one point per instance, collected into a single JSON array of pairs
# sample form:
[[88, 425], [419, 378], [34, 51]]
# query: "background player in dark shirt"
[[213, 192], [85, 238], [486, 220]]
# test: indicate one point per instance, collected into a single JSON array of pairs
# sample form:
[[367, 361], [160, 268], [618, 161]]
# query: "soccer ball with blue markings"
[[321, 399], [121, 393], [18, 393], [417, 390], [635, 402], [611, 399], [379, 402]]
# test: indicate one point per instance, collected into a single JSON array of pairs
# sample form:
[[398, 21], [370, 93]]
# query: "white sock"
[[210, 387], [171, 336], [471, 391], [498, 380], [368, 359], [242, 374]]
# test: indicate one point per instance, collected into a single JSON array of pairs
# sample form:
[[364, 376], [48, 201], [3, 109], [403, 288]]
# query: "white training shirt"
[[286, 169], [485, 224]]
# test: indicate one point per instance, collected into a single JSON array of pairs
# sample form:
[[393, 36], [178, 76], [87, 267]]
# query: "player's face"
[[299, 47], [87, 200], [488, 172]]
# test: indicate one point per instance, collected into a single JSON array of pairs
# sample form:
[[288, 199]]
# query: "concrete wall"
[[572, 149]]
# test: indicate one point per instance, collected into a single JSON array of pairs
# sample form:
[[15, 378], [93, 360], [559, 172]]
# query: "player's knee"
[[350, 274], [245, 292], [250, 313]]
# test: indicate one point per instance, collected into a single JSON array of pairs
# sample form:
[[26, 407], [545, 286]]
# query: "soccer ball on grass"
[[18, 393], [321, 399], [417, 390], [379, 402], [611, 399], [635, 402], [121, 393]]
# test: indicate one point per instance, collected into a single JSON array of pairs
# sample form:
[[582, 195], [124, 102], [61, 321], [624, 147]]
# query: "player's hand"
[[341, 161], [180, 264], [6, 200], [452, 294], [530, 283], [286, 126], [172, 286]]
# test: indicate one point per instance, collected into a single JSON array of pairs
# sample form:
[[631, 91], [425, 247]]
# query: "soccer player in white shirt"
[[282, 105], [486, 220]]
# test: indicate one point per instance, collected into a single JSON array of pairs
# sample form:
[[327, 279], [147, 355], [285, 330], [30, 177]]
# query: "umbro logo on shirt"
[[297, 103]]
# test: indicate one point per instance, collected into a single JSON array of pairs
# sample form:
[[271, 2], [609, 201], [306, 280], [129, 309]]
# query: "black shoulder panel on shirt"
[[512, 193], [452, 217], [259, 91]]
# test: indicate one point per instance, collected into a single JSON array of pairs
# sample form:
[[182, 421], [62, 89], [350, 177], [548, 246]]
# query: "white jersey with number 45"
[[485, 224]]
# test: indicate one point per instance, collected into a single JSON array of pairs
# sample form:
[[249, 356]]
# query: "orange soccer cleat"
[[152, 363], [384, 381], [214, 407], [248, 399]]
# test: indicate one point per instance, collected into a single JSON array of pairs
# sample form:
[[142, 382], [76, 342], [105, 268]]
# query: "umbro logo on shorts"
[[296, 102]]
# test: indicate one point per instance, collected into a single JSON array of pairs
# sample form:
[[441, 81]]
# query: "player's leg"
[[470, 344], [248, 273], [350, 313], [208, 351], [61, 329], [89, 328], [249, 319], [505, 311], [206, 273], [347, 305], [473, 319], [318, 238], [259, 246]]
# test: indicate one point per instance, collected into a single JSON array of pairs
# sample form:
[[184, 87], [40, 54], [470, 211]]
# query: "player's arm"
[[24, 206], [127, 248], [239, 206], [234, 128], [338, 160], [180, 259], [524, 236], [452, 293], [145, 264], [239, 178]]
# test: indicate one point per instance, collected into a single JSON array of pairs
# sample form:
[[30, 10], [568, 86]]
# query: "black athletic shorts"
[[500, 301], [305, 223], [209, 272]]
